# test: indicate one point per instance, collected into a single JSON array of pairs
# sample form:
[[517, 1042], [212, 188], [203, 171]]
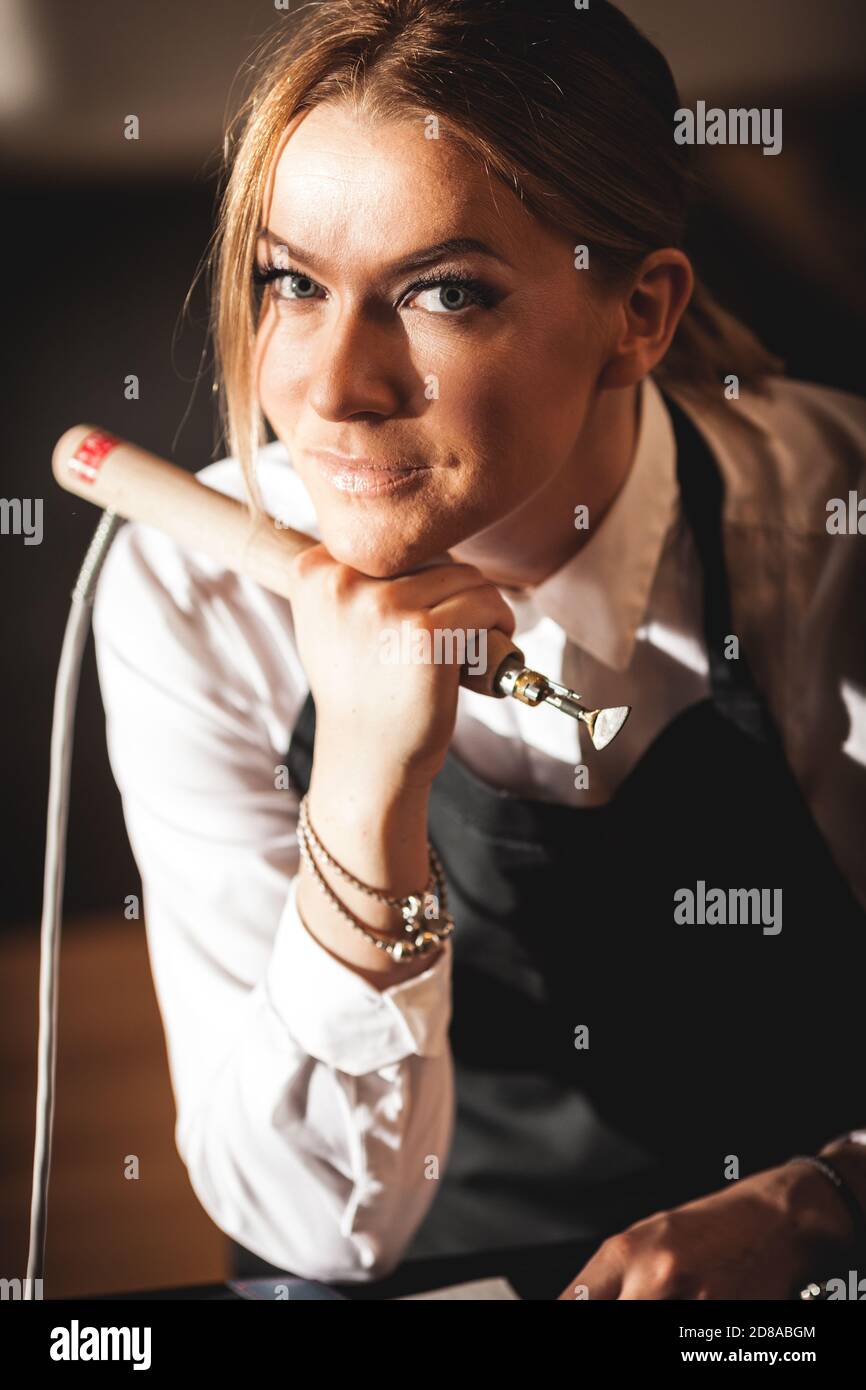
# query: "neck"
[[538, 538]]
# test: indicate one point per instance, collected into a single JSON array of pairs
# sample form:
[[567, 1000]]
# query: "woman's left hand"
[[762, 1237]]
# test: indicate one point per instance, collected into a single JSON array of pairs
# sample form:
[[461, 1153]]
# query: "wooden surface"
[[106, 1232]]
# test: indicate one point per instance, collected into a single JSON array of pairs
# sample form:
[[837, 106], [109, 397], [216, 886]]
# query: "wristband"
[[855, 1211]]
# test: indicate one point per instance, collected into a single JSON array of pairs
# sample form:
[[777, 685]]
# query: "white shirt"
[[308, 1102]]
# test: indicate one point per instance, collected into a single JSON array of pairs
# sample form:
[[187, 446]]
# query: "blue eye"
[[280, 276], [450, 284], [447, 291]]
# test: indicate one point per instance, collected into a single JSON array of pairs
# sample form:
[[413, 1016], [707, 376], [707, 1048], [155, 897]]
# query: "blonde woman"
[[449, 273]]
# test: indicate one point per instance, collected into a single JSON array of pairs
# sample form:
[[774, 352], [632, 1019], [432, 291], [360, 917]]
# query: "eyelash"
[[481, 293]]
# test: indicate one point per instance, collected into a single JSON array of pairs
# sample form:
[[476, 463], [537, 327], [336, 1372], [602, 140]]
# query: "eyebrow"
[[456, 246]]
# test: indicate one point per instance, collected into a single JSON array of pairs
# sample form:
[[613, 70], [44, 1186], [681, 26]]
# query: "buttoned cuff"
[[337, 1017]]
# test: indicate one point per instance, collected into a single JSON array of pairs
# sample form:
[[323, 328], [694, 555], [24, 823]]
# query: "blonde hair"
[[573, 110]]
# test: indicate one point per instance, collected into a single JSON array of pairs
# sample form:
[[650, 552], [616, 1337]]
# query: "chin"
[[381, 555]]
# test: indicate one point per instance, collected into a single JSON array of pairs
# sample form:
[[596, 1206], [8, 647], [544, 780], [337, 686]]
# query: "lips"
[[361, 463], [364, 477]]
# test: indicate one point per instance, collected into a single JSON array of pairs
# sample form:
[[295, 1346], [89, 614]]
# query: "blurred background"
[[104, 239]]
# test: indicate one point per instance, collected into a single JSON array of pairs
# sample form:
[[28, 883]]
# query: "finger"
[[484, 610], [428, 586], [642, 1280], [419, 592], [600, 1278]]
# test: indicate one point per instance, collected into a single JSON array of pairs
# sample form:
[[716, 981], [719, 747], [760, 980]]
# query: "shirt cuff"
[[337, 1017]]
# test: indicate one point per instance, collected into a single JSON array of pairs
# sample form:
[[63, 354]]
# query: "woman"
[[450, 275]]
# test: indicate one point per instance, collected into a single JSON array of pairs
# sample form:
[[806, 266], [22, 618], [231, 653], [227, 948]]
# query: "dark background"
[[103, 237]]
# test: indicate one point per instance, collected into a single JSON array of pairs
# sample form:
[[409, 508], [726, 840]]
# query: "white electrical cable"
[[62, 728]]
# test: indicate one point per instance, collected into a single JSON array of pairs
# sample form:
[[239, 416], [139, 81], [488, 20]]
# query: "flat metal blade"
[[605, 724]]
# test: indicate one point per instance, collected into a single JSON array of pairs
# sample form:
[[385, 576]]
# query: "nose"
[[355, 370]]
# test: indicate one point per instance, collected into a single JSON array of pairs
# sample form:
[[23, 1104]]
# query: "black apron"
[[707, 1042]]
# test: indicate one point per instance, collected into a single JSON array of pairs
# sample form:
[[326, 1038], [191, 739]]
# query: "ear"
[[646, 318]]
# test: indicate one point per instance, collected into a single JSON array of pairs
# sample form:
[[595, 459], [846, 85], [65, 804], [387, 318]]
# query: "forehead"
[[350, 187]]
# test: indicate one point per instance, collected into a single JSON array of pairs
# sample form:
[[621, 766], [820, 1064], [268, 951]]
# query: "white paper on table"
[[477, 1289]]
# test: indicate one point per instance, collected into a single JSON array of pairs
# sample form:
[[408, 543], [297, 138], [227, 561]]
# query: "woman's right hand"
[[391, 721]]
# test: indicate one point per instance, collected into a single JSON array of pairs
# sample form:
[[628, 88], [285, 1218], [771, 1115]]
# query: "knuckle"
[[618, 1247], [669, 1277], [308, 560], [339, 582], [382, 605], [665, 1267]]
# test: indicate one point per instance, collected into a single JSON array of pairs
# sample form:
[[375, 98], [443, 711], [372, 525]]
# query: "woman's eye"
[[285, 283], [447, 297], [293, 285]]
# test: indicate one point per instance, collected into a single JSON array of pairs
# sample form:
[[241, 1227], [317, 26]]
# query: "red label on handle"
[[86, 462]]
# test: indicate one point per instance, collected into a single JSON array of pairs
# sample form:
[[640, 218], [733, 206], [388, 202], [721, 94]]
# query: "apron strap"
[[735, 690]]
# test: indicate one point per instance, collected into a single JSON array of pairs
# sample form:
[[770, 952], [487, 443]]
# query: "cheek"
[[556, 379], [524, 403], [279, 373]]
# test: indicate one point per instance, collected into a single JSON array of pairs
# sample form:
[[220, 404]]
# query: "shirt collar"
[[600, 596]]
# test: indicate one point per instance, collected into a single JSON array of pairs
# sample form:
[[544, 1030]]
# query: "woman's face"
[[481, 388]]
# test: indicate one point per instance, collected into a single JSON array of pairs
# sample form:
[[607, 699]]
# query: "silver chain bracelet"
[[409, 906], [420, 938]]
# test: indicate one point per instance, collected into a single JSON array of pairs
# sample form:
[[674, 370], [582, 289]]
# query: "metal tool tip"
[[606, 724]]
